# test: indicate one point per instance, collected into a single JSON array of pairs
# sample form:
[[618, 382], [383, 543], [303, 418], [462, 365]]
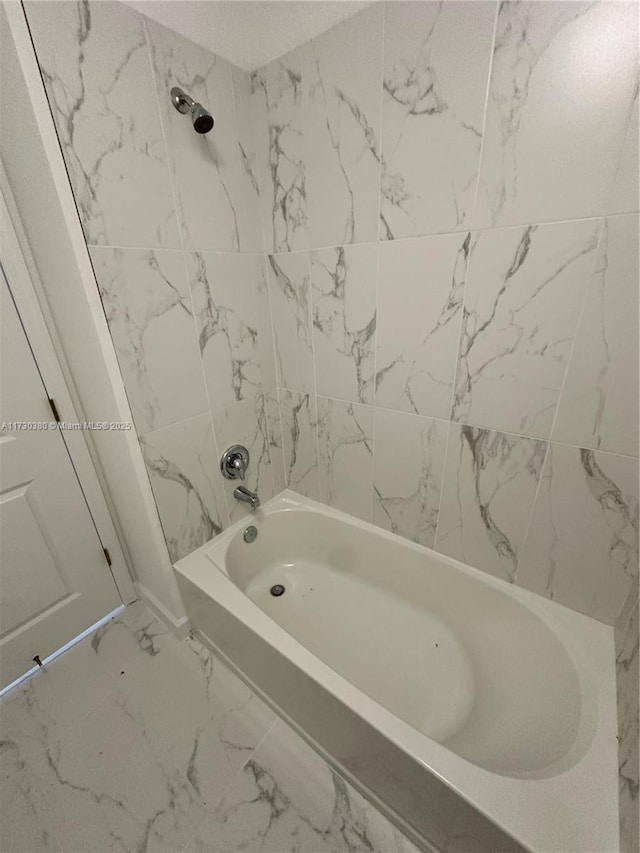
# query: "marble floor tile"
[[288, 800], [204, 716], [135, 741], [24, 811]]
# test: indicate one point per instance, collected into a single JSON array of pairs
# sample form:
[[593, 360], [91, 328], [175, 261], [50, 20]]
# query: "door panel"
[[54, 579]]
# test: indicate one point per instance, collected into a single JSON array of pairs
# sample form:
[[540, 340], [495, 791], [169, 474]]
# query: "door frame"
[[70, 301], [22, 278]]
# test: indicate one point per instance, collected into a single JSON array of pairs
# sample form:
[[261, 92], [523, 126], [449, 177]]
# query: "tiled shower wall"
[[443, 335], [450, 203], [449, 196], [172, 222]]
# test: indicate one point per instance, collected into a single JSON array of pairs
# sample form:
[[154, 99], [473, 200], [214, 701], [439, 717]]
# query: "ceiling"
[[249, 33]]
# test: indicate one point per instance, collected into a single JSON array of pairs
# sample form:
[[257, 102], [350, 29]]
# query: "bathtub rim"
[[491, 794]]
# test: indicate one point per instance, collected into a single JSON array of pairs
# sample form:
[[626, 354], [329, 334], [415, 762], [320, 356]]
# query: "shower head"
[[201, 118]]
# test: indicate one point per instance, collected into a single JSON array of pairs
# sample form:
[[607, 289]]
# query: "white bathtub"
[[476, 715]]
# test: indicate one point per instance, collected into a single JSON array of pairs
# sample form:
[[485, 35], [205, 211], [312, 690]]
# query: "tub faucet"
[[246, 496]]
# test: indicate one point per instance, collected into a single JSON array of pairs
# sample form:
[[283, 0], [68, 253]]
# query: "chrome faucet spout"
[[246, 496]]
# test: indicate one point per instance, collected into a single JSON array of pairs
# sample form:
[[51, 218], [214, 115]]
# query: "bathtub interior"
[[457, 658]]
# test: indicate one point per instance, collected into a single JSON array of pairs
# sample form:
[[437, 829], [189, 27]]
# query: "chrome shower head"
[[201, 118]]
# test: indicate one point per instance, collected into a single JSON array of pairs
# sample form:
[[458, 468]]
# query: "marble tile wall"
[[404, 274], [172, 221], [442, 334], [627, 666], [465, 373]]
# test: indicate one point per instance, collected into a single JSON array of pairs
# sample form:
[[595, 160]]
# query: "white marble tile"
[[26, 816], [278, 97], [206, 168], [582, 546], [599, 403], [524, 293], [111, 787], [288, 800], [627, 684], [276, 452], [408, 469], [489, 486], [249, 138], [343, 288], [68, 688], [290, 292], [184, 471], [146, 300], [298, 419], [342, 130], [208, 721], [419, 314], [83, 774], [436, 65], [95, 65], [246, 423], [266, 346], [345, 455], [562, 82], [625, 195], [223, 292]]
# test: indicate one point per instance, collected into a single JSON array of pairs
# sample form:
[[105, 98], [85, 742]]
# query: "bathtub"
[[475, 715]]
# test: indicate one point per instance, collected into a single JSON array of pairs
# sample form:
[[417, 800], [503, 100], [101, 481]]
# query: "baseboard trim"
[[179, 627]]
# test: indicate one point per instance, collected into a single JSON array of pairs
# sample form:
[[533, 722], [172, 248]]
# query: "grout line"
[[381, 124], [375, 374], [178, 218], [402, 413], [442, 479], [276, 371], [478, 230], [585, 298], [377, 282], [486, 106], [583, 307], [211, 806], [459, 231], [315, 374], [154, 83], [534, 503]]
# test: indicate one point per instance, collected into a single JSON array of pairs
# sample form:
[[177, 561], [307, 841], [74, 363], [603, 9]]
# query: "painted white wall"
[[35, 169], [250, 33]]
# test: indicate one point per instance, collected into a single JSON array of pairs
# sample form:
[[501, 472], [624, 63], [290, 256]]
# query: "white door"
[[54, 576]]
